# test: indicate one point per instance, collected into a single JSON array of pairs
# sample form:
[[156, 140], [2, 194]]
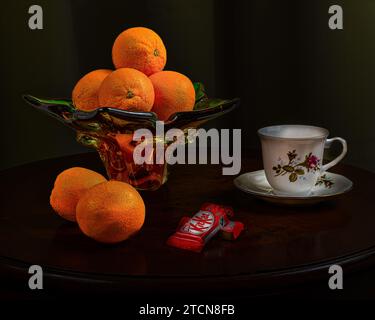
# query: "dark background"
[[279, 57]]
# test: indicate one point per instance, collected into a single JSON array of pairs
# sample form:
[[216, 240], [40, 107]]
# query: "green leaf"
[[200, 92], [299, 171], [288, 168], [293, 177], [209, 103]]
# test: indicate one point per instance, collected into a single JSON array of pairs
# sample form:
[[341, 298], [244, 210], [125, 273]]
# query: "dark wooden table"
[[281, 248]]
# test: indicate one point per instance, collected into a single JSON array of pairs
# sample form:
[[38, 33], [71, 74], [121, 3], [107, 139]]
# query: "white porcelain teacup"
[[293, 157]]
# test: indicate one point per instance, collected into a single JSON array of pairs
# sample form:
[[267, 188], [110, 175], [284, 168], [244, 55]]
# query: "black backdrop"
[[279, 57]]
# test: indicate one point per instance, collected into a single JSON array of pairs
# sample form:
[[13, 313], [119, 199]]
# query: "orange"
[[139, 48], [69, 186], [174, 92], [85, 92], [127, 89], [111, 212]]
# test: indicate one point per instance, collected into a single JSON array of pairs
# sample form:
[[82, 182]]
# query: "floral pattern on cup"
[[295, 167], [326, 181]]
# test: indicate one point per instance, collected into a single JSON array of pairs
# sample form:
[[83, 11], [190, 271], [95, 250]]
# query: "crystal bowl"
[[110, 131]]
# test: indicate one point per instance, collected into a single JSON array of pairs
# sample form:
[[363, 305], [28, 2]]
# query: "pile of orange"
[[113, 211], [139, 82], [106, 211]]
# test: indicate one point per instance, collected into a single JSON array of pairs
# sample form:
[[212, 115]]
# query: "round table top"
[[280, 244]]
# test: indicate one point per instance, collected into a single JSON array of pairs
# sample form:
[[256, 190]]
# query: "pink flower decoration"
[[312, 161]]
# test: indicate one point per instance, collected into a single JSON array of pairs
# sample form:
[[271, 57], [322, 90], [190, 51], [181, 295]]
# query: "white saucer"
[[329, 186]]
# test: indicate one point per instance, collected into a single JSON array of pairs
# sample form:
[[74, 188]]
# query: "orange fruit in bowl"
[[127, 89], [174, 92], [111, 212], [85, 92], [69, 187], [139, 48]]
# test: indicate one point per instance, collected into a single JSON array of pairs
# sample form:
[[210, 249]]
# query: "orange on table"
[[139, 48], [69, 187], [85, 92], [127, 89], [174, 92], [111, 212]]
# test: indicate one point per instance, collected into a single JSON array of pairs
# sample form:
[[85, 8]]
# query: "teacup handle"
[[340, 157]]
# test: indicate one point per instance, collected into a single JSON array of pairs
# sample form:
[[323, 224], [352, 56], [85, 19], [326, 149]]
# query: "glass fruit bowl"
[[110, 132]]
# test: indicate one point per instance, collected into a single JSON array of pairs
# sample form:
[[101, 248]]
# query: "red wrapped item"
[[232, 230], [193, 233]]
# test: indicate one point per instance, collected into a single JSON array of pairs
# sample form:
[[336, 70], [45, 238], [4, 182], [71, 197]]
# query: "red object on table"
[[193, 233]]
